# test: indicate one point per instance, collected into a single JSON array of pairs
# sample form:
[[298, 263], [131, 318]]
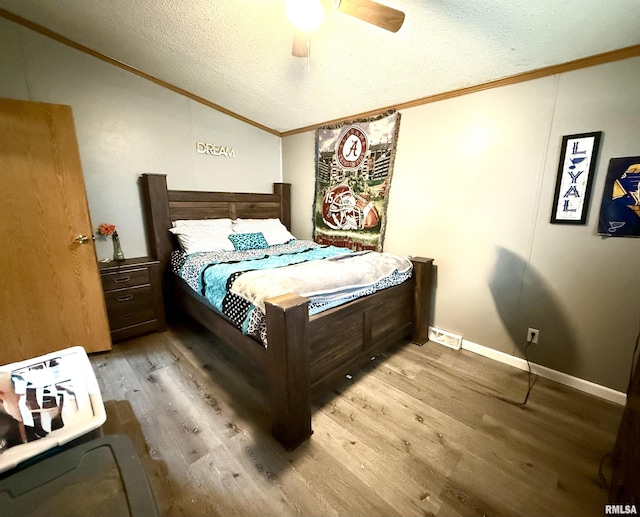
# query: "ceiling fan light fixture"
[[305, 15]]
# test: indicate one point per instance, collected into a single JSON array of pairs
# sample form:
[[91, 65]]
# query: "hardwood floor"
[[420, 431]]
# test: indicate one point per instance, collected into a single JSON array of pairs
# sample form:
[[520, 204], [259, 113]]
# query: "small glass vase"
[[117, 249]]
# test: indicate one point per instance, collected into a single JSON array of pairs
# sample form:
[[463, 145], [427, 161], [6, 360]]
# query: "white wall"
[[127, 126], [473, 187]]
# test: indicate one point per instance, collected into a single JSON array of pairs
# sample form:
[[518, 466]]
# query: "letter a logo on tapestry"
[[352, 148]]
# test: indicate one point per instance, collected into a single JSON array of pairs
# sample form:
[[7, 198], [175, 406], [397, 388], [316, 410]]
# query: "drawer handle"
[[123, 279], [127, 316], [125, 298]]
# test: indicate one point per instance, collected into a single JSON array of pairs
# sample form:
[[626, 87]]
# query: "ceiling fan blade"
[[300, 48], [372, 12]]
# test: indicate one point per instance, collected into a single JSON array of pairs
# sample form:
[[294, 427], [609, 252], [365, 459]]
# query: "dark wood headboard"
[[161, 206]]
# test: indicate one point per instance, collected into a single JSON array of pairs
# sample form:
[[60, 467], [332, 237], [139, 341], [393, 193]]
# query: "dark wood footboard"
[[308, 355]]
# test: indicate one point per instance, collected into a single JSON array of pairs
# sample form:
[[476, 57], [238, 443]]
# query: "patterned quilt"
[[236, 283]]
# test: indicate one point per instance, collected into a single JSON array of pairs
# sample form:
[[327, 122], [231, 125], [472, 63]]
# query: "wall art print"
[[354, 166], [620, 209], [576, 170]]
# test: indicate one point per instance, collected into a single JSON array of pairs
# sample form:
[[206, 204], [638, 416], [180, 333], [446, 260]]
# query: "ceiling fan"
[[368, 11]]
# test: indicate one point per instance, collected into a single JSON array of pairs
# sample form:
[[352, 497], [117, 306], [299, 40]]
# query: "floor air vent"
[[445, 338]]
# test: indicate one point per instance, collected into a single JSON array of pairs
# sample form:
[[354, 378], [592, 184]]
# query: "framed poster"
[[575, 178], [620, 209]]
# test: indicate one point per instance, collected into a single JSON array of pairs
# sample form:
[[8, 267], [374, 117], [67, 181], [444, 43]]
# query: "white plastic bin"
[[45, 402]]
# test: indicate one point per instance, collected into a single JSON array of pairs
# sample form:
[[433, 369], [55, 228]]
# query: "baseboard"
[[554, 375]]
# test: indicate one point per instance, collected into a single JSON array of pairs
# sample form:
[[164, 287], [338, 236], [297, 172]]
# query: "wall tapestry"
[[620, 209], [354, 165]]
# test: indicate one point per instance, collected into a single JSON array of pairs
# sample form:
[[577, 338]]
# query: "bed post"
[[423, 274], [284, 191], [158, 220], [289, 373]]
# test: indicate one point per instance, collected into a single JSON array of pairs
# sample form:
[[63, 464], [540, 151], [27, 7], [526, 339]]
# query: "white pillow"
[[223, 224], [273, 230], [195, 239]]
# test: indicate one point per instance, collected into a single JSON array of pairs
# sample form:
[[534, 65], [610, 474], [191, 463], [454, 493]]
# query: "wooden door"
[[50, 288]]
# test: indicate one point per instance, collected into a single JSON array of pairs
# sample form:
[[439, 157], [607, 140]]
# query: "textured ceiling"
[[237, 53]]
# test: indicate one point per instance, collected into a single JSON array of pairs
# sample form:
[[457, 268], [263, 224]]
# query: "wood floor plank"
[[494, 493], [404, 491], [118, 381], [409, 448], [418, 431], [339, 484]]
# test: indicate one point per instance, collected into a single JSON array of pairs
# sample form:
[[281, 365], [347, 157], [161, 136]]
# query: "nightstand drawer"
[[133, 296], [123, 279], [130, 306]]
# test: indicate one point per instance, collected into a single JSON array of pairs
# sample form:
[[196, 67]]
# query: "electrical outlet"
[[533, 335]]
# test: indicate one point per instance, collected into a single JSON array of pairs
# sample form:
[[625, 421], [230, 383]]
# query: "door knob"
[[82, 239]]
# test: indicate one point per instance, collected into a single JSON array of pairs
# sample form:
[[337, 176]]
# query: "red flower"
[[106, 229]]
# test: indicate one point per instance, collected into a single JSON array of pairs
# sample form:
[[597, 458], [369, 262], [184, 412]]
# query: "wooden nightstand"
[[133, 295]]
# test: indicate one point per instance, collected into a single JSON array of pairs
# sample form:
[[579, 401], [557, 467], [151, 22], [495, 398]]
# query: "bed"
[[306, 355]]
